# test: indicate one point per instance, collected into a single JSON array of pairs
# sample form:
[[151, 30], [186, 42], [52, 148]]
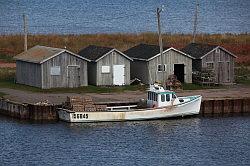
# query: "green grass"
[[7, 73], [9, 83], [6, 58], [242, 74], [199, 87], [2, 94], [244, 81]]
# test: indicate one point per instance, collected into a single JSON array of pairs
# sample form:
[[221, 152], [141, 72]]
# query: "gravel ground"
[[235, 91]]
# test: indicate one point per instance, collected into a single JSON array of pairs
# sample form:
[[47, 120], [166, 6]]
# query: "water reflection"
[[188, 141]]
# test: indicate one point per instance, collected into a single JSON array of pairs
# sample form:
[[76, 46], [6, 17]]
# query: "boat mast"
[[158, 11]]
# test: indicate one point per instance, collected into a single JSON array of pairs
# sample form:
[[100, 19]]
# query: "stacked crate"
[[79, 104]]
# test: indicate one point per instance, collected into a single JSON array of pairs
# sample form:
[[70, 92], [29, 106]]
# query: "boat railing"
[[118, 108]]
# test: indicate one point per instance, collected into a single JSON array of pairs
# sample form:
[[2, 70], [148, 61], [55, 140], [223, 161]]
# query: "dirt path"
[[131, 96]]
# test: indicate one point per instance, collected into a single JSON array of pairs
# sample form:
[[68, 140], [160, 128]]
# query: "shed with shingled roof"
[[47, 67], [213, 58], [148, 66], [108, 66]]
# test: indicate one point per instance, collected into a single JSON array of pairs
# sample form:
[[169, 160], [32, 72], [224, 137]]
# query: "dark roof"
[[93, 52], [144, 51], [197, 50]]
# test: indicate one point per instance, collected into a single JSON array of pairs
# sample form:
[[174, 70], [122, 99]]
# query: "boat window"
[[148, 95], [162, 98], [77, 116], [80, 116], [173, 96], [167, 97], [74, 116], [155, 97]]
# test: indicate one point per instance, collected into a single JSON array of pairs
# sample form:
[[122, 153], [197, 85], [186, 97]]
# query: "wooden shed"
[[108, 66], [214, 58], [47, 67], [147, 65]]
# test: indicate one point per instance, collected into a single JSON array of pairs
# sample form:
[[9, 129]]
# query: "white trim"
[[165, 68], [78, 56], [218, 47], [171, 48], [139, 59], [112, 51]]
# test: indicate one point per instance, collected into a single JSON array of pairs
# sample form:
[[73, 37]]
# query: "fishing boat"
[[160, 104]]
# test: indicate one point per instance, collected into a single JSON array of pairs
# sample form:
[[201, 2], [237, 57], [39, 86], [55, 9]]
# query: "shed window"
[[167, 97], [210, 65], [55, 71], [162, 67], [105, 69], [162, 98]]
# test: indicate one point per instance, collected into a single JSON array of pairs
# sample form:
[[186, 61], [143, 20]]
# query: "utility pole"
[[25, 31], [195, 20], [158, 11]]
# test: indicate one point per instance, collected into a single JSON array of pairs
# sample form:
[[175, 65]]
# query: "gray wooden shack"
[[47, 67], [108, 66], [147, 65], [214, 58]]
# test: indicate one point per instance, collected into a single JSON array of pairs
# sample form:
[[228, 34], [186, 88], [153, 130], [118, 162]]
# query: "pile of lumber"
[[79, 104]]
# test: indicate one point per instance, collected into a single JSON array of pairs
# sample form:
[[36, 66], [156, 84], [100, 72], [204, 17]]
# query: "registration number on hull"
[[80, 116]]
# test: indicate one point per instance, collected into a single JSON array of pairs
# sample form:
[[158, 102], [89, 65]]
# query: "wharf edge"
[[209, 107]]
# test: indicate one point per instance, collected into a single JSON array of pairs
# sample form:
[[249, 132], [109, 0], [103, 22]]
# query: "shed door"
[[118, 75], [73, 76], [220, 72], [179, 72]]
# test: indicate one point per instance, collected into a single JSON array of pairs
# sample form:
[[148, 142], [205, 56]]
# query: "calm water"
[[192, 141], [110, 16]]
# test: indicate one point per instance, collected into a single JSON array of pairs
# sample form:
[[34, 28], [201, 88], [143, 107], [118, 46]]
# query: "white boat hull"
[[191, 107]]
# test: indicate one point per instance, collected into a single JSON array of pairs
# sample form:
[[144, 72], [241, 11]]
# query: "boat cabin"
[[158, 97]]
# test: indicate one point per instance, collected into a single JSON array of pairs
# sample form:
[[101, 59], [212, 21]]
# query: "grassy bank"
[[7, 80], [13, 44]]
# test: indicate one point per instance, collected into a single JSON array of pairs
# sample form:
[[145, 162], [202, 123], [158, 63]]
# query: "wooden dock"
[[48, 112]]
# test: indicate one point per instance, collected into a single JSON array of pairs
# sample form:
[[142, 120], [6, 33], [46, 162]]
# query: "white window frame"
[[105, 69], [164, 69], [55, 70]]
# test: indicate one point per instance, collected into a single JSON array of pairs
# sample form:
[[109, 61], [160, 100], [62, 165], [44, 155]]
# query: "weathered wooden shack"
[[213, 58], [108, 66], [148, 66], [47, 67]]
